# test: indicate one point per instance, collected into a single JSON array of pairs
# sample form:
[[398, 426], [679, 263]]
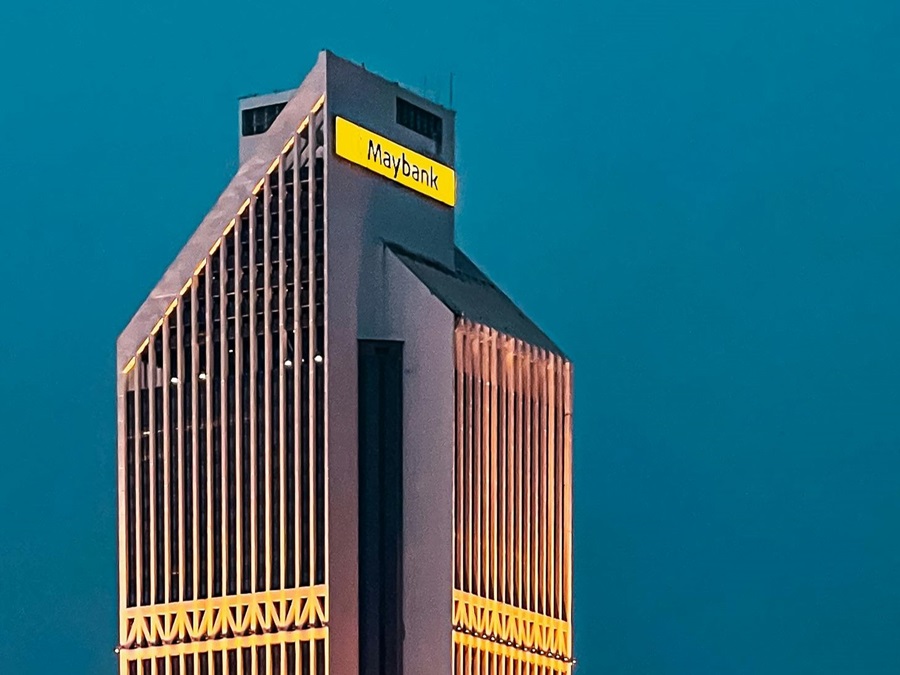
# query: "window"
[[258, 120], [421, 121], [380, 507]]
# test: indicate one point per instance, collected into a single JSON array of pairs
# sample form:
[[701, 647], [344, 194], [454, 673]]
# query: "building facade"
[[342, 449]]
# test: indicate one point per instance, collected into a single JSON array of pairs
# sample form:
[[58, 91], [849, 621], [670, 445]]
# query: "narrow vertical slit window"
[[381, 507], [185, 386], [130, 495]]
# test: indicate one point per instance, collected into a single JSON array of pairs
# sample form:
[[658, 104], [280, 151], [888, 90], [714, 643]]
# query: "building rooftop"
[[468, 292]]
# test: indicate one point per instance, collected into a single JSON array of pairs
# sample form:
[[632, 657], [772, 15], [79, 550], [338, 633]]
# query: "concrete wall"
[[362, 211], [425, 326]]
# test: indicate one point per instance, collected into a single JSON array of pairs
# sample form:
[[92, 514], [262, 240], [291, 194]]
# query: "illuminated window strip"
[[513, 471], [226, 644], [513, 506], [483, 646], [164, 625], [508, 624]]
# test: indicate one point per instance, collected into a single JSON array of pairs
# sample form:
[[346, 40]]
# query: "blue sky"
[[697, 200]]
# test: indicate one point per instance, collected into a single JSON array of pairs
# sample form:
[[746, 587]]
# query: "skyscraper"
[[342, 449]]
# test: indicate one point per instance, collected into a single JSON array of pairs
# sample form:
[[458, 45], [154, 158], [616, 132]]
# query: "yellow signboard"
[[393, 161]]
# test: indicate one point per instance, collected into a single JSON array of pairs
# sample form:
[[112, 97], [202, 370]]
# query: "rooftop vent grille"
[[258, 120], [421, 121]]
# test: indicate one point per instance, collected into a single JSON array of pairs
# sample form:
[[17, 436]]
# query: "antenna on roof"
[[451, 90]]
